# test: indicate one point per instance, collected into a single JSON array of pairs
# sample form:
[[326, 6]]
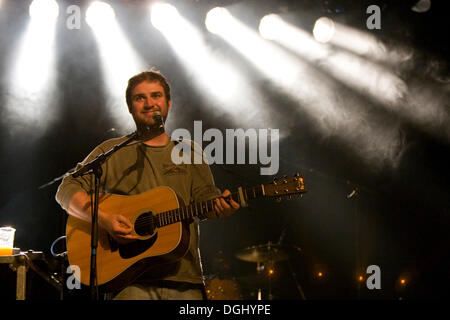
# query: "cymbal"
[[266, 252]]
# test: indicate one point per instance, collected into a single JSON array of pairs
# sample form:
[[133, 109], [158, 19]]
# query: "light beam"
[[212, 73], [31, 88], [119, 61]]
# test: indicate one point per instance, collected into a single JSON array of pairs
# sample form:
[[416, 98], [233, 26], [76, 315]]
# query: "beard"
[[148, 128]]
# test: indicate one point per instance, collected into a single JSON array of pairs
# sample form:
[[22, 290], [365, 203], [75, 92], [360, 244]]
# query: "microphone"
[[159, 121], [146, 132]]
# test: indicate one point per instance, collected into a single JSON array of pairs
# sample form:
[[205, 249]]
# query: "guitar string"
[[192, 210], [182, 213], [177, 213]]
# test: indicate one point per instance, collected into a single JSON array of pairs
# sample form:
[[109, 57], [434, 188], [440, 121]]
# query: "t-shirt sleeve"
[[70, 185]]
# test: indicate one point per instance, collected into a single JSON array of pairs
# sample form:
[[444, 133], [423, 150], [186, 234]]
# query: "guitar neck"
[[278, 189], [201, 208]]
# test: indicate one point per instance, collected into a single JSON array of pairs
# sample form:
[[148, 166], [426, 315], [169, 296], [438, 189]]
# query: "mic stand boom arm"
[[94, 167], [101, 158]]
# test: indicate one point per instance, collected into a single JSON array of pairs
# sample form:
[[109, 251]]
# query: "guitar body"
[[161, 246]]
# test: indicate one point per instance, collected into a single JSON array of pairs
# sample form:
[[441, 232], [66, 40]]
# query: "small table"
[[19, 263]]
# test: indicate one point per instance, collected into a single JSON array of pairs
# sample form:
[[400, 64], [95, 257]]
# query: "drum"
[[222, 289]]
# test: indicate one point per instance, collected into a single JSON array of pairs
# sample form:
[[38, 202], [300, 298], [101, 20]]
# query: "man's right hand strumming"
[[117, 226]]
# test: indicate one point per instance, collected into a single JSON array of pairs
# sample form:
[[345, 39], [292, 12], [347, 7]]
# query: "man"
[[137, 168]]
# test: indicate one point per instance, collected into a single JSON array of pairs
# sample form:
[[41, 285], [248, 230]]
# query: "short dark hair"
[[152, 75]]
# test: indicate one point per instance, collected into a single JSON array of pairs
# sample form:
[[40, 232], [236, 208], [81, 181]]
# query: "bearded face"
[[146, 98]]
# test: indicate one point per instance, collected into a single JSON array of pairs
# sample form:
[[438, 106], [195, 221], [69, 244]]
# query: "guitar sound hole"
[[144, 224]]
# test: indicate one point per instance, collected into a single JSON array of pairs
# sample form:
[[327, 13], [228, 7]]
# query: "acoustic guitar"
[[161, 225]]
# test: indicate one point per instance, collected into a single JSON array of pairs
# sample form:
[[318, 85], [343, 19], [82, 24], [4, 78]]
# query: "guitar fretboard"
[[199, 209]]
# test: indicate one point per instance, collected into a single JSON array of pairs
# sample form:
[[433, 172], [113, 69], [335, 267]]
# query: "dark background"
[[398, 220]]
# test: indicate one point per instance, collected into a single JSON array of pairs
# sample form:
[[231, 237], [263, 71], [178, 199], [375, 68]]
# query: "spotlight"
[[99, 14], [44, 10], [163, 15], [268, 26], [421, 6], [216, 19], [403, 281], [324, 29]]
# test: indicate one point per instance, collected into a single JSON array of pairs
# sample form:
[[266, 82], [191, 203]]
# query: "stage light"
[[44, 10], [421, 6], [404, 279], [216, 20], [100, 14], [118, 60], [360, 278], [268, 26], [163, 15], [324, 29]]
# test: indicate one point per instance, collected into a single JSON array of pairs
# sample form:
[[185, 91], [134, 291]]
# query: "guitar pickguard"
[[135, 248]]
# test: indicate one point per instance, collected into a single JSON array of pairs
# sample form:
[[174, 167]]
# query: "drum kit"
[[220, 287]]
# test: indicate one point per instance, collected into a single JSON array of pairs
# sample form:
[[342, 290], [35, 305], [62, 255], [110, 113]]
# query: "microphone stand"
[[143, 133], [94, 167]]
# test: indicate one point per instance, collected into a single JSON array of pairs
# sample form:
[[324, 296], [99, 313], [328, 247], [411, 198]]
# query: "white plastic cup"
[[6, 241]]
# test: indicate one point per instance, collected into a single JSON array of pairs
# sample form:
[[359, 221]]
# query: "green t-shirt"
[[137, 168]]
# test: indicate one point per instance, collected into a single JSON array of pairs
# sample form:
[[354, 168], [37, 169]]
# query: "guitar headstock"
[[286, 186]]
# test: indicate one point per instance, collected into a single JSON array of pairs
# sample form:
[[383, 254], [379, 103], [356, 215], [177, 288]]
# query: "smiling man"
[[137, 168], [145, 95]]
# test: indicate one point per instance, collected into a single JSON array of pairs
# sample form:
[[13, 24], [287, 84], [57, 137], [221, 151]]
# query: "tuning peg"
[[275, 181]]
